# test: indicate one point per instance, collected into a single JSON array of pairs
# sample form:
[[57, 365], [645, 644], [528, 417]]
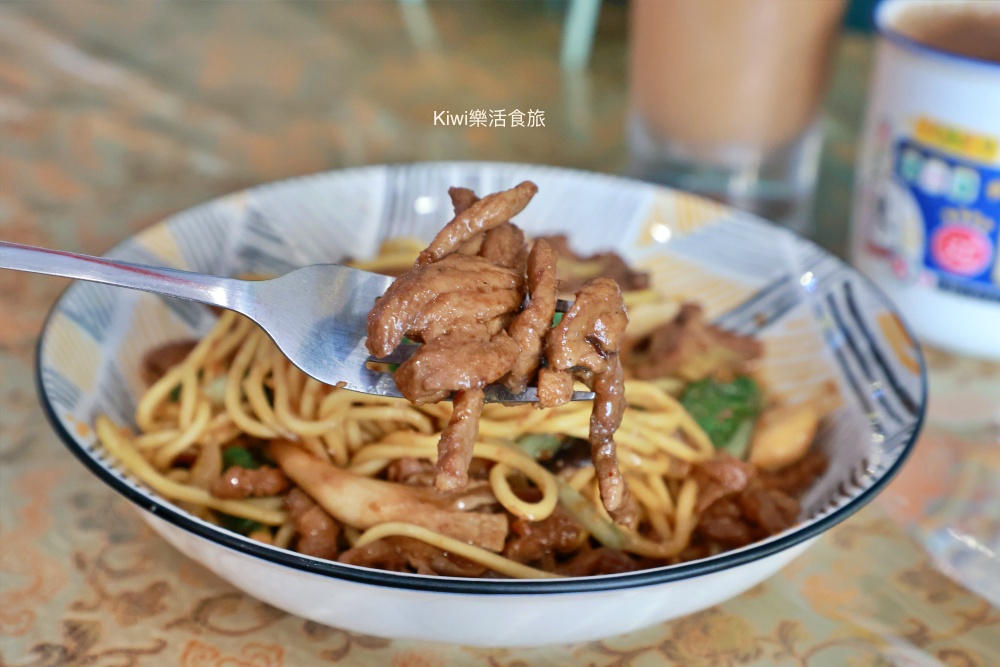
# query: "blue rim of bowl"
[[908, 43], [162, 509]]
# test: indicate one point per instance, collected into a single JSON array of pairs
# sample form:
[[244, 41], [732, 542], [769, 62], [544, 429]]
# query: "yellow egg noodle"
[[235, 382]]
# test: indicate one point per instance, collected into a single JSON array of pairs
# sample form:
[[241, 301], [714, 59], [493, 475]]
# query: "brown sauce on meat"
[[530, 325], [405, 554], [410, 471], [237, 483], [458, 305], [455, 445], [480, 216], [602, 560], [463, 300], [535, 541], [457, 295], [317, 532], [504, 246], [585, 345], [737, 504], [689, 348], [575, 269]]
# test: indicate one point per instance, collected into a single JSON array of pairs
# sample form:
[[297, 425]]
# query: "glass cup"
[[725, 98]]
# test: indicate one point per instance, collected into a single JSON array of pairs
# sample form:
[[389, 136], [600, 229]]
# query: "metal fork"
[[315, 315]]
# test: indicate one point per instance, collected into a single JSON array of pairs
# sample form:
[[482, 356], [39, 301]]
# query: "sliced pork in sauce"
[[602, 560], [455, 445], [575, 270], [689, 348], [454, 363], [738, 504], [464, 300], [585, 345], [481, 216], [714, 457], [504, 246], [536, 541], [458, 295], [530, 325], [404, 554], [317, 532], [237, 482]]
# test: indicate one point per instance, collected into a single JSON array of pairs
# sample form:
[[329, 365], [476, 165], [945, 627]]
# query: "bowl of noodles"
[[748, 392]]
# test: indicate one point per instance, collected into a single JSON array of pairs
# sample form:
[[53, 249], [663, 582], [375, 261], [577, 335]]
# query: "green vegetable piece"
[[557, 318], [175, 394], [739, 444], [540, 445], [583, 511], [239, 456], [216, 390], [721, 407], [238, 524]]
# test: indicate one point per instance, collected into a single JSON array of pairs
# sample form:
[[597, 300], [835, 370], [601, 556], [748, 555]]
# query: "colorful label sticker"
[[956, 140], [940, 221]]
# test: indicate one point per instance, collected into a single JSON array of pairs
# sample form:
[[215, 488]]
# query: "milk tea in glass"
[[725, 98]]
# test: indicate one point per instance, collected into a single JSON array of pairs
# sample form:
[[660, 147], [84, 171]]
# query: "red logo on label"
[[961, 250]]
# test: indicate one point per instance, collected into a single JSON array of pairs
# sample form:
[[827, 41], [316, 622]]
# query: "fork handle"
[[224, 292]]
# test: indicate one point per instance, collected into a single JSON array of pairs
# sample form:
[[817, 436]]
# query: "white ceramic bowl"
[[824, 322]]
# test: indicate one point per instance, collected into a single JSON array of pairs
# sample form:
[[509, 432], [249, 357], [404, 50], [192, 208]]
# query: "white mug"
[[926, 223]]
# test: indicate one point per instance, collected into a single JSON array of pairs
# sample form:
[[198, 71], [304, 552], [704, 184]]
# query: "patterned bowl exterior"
[[819, 319]]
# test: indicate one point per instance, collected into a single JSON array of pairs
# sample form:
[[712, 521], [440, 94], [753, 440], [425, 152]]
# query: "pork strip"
[[606, 417], [457, 441], [481, 216], [719, 477], [530, 325], [454, 363], [461, 200], [400, 311], [554, 387], [536, 540], [575, 269], [689, 348], [477, 314], [590, 333], [411, 471], [317, 531], [598, 561], [794, 479], [237, 483], [402, 554], [586, 342], [504, 246]]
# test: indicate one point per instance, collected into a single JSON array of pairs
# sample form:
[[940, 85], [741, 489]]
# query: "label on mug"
[[937, 216]]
